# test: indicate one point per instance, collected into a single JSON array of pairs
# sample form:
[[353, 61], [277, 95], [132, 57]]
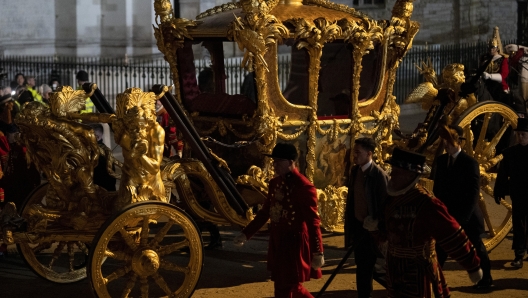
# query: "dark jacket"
[[512, 178], [458, 187], [376, 181]]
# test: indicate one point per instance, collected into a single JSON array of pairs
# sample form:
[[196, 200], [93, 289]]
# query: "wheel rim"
[[56, 261], [141, 252], [497, 218]]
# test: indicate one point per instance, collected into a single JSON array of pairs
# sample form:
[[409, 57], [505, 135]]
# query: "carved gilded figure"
[[142, 140], [67, 152]]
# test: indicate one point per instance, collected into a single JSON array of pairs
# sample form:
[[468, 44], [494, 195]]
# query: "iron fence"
[[115, 75]]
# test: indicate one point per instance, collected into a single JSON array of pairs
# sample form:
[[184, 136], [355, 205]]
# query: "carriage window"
[[370, 74], [335, 79], [293, 73], [219, 82]]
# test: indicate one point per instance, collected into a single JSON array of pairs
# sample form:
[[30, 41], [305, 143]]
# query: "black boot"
[[517, 263], [215, 241]]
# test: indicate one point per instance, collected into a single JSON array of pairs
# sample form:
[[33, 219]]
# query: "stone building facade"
[[113, 28]]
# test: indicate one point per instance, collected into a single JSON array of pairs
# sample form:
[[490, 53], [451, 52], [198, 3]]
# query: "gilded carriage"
[[340, 87], [130, 242]]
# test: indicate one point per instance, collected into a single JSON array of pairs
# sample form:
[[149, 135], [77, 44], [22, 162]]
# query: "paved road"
[[241, 272]]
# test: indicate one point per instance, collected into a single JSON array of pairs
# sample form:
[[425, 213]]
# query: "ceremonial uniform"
[[498, 65], [416, 220], [294, 230]]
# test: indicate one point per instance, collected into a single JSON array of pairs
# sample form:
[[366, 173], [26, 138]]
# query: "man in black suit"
[[457, 184], [512, 180], [367, 190]]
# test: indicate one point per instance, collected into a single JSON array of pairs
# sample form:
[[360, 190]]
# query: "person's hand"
[[370, 224], [498, 199], [240, 239], [475, 276], [486, 76], [317, 261]]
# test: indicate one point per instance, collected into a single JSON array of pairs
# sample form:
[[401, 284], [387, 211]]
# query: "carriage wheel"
[[148, 249], [56, 261], [475, 123]]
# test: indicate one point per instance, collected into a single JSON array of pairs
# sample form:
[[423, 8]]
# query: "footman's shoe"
[[484, 283], [517, 263]]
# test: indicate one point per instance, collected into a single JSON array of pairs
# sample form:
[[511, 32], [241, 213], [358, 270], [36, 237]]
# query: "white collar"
[[495, 57], [366, 166], [456, 153]]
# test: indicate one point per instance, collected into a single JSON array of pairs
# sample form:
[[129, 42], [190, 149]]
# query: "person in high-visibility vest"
[[82, 77], [31, 88]]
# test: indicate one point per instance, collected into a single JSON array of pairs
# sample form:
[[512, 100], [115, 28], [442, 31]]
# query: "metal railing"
[[113, 75]]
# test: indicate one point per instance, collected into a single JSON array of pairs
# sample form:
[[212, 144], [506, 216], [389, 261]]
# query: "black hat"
[[522, 124], [284, 151], [82, 76], [410, 161]]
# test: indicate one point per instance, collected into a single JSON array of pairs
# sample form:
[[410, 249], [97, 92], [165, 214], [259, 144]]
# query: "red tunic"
[[4, 151], [294, 229], [414, 222]]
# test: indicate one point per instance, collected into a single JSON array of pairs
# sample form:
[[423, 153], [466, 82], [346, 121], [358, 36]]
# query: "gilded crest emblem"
[[275, 212]]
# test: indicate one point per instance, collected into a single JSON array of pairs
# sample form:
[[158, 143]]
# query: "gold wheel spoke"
[[37, 249], [144, 287], [117, 274], [83, 247], [488, 190], [161, 233], [482, 134], [129, 285], [496, 139], [468, 145], [56, 253], [145, 230], [128, 239], [162, 284], [168, 249], [119, 255], [506, 205], [71, 255], [173, 267], [485, 214]]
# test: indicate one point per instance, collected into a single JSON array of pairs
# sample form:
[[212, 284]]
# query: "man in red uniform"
[[414, 222], [295, 251]]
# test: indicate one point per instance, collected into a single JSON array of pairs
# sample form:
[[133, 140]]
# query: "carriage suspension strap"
[[238, 144]]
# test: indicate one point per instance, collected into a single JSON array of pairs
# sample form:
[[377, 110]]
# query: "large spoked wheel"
[[56, 261], [148, 249], [489, 124]]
